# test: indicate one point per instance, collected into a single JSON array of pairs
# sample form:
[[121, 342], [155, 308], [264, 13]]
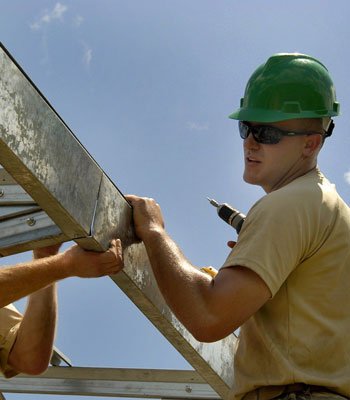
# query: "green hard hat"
[[288, 86]]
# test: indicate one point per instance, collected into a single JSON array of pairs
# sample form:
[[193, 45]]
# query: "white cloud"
[[78, 20], [55, 14], [347, 177], [87, 57], [194, 126], [35, 26], [58, 11]]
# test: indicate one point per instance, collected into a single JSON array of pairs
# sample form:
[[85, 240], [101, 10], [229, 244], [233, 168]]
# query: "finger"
[[112, 244], [119, 250], [113, 256], [115, 247], [131, 198]]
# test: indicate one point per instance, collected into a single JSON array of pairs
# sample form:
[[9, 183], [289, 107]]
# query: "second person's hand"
[[90, 264]]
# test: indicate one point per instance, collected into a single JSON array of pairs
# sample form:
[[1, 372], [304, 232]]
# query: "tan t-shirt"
[[10, 319], [297, 239]]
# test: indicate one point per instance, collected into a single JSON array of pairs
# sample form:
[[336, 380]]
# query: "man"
[[285, 282], [26, 342]]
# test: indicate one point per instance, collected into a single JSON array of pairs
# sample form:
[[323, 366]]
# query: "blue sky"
[[147, 86]]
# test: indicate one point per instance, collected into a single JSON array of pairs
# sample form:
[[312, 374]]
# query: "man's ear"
[[312, 144]]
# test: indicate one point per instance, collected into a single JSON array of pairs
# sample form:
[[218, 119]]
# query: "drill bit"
[[213, 202]]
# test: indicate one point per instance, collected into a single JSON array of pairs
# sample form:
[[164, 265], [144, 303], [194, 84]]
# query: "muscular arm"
[[32, 349], [23, 279], [209, 308]]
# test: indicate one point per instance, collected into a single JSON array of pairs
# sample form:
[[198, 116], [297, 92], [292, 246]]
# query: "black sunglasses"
[[267, 134]]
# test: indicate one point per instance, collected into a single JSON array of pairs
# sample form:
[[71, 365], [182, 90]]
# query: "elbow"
[[207, 336], [36, 369], [32, 369], [29, 365], [210, 332]]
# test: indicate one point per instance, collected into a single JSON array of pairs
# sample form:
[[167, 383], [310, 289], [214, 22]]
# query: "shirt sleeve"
[[271, 240], [10, 320]]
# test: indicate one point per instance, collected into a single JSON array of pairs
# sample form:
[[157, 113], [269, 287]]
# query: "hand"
[[147, 215], [90, 264], [46, 251], [231, 244]]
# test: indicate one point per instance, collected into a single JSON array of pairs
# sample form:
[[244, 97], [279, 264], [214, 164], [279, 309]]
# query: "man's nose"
[[250, 142]]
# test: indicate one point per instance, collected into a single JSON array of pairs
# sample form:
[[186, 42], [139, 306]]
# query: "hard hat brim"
[[263, 115]]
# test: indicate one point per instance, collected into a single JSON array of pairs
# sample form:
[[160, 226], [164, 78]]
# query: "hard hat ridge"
[[288, 86]]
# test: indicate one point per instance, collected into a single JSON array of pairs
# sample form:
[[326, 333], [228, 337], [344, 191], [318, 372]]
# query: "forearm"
[[32, 350], [185, 289], [21, 280]]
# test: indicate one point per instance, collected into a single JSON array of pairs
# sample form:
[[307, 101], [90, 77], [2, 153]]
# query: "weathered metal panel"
[[6, 178], [14, 194], [7, 212], [42, 154], [113, 216], [112, 219], [23, 224], [27, 232], [112, 382]]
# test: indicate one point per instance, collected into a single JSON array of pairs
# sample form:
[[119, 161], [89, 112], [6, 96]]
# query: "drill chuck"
[[232, 216], [228, 214]]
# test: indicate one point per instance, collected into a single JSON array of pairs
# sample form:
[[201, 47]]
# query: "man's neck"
[[292, 174]]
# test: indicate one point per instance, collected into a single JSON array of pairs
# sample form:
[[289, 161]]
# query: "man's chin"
[[250, 179]]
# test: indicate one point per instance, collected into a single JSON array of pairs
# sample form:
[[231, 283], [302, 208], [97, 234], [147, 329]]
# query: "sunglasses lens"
[[262, 134], [243, 130], [269, 135]]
